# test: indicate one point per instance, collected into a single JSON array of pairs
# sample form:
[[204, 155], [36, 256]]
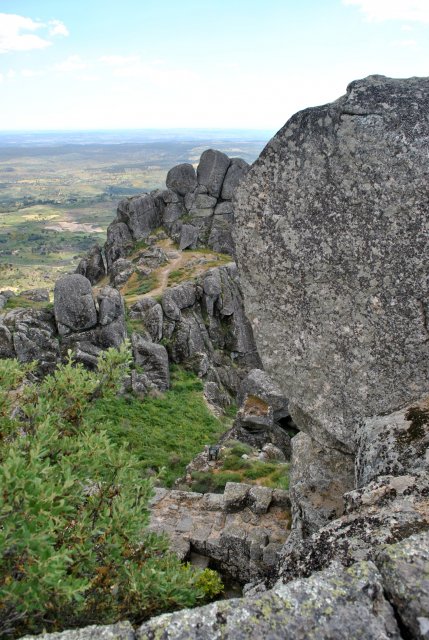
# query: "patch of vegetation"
[[20, 302], [235, 468], [73, 509], [138, 285], [164, 432]]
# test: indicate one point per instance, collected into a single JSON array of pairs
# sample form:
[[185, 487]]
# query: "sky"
[[248, 64]]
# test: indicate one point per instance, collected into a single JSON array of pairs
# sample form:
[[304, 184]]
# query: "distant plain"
[[59, 191]]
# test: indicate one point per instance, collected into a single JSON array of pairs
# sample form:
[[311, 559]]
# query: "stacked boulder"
[[196, 208]]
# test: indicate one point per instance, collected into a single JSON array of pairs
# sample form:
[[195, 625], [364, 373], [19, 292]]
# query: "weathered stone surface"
[[33, 336], [335, 604], [177, 298], [259, 384], [188, 236], [92, 265], [405, 571], [220, 238], [241, 531], [211, 170], [74, 305], [111, 318], [6, 342], [396, 444], [142, 214], [383, 512], [120, 271], [37, 295], [330, 243], [182, 178], [236, 172], [119, 631], [319, 478], [119, 242], [153, 359]]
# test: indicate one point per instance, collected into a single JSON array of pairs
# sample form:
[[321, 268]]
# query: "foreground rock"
[[241, 531], [332, 259], [336, 603]]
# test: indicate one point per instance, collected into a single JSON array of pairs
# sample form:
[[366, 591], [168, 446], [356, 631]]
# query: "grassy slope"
[[165, 431]]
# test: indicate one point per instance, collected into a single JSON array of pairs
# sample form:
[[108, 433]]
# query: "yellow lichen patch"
[[254, 406]]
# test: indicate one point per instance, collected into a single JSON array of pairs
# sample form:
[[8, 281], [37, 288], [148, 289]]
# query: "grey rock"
[[170, 197], [182, 178], [236, 172], [188, 237], [271, 452], [119, 242], [121, 271], [37, 295], [396, 444], [405, 571], [153, 359], [118, 631], [211, 171], [74, 305], [202, 201], [385, 511], [259, 384], [225, 209], [177, 298], [3, 301], [6, 342], [92, 265], [141, 214], [259, 499], [86, 352], [110, 305], [319, 479], [335, 604], [220, 238], [152, 258], [235, 496], [172, 213], [34, 337], [333, 267]]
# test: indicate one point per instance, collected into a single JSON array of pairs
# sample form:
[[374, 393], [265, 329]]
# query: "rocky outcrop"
[[240, 532], [196, 208], [336, 603], [332, 256]]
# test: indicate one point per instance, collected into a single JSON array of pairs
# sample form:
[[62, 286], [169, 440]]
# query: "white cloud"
[[381, 10], [72, 63], [14, 34], [31, 73], [12, 38], [57, 28], [411, 44], [117, 61]]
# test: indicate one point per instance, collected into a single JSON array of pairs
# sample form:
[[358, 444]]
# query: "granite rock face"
[[74, 305], [331, 235], [92, 265], [334, 604]]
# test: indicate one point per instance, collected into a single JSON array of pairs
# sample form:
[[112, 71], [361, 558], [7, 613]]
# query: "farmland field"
[[59, 191]]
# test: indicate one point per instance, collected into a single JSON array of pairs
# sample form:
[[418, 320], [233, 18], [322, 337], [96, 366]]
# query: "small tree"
[[73, 511]]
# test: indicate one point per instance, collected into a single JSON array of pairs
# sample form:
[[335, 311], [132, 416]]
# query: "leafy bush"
[[73, 509]]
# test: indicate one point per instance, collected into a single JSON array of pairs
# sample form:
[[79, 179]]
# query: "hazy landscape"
[[59, 190]]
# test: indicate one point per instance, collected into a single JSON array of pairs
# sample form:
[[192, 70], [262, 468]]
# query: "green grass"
[[236, 469], [165, 432], [19, 302]]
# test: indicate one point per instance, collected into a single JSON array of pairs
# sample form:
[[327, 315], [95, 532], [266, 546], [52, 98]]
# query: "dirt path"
[[162, 273]]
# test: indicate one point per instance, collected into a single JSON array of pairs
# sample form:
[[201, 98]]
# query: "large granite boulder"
[[335, 604], [237, 170], [182, 179], [211, 171], [119, 242], [332, 255], [142, 214], [74, 304], [153, 360]]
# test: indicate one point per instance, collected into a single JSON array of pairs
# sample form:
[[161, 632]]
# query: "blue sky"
[[85, 64]]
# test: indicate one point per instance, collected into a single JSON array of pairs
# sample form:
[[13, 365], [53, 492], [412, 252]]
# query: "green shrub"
[[259, 470], [73, 509], [210, 582]]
